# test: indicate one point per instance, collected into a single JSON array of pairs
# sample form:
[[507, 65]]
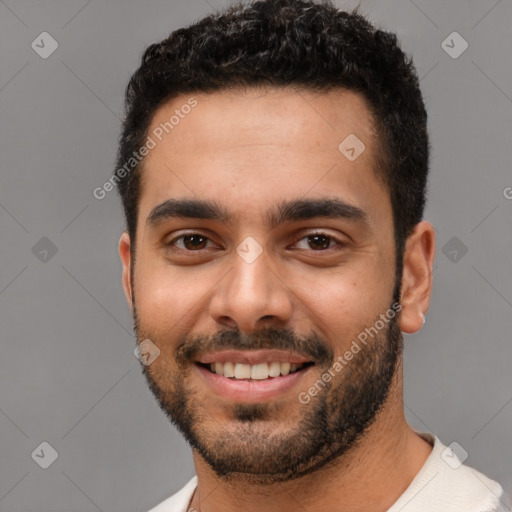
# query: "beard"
[[253, 446]]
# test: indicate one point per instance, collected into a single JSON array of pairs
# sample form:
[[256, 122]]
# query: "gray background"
[[68, 375]]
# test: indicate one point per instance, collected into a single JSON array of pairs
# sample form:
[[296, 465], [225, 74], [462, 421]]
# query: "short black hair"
[[298, 44]]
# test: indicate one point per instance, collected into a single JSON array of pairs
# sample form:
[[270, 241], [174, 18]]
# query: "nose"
[[252, 296]]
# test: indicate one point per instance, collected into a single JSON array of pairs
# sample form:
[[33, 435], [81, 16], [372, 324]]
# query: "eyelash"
[[340, 244]]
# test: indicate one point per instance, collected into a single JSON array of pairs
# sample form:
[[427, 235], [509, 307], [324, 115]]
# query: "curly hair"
[[295, 43]]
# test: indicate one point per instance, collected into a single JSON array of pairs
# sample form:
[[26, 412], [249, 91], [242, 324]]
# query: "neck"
[[370, 476]]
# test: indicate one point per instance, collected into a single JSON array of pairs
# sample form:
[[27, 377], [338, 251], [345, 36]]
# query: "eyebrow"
[[286, 211]]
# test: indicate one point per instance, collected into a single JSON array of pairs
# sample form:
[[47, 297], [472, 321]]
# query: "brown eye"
[[194, 242], [319, 242], [191, 242]]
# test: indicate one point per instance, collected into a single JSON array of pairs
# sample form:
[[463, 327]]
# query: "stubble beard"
[[252, 447]]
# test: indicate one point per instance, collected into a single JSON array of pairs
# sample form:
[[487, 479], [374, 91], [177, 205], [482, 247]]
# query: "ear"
[[417, 277], [125, 254]]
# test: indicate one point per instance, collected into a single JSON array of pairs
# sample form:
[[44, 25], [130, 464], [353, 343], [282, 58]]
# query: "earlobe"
[[417, 277], [125, 254]]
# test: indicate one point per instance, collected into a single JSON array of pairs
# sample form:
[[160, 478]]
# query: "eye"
[[190, 242], [320, 242]]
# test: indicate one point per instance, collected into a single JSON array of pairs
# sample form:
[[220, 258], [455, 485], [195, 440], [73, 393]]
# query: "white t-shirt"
[[443, 484]]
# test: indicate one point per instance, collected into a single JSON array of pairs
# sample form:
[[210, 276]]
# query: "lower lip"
[[251, 391]]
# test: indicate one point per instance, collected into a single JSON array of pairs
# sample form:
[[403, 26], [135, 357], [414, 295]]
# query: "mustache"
[[310, 346]]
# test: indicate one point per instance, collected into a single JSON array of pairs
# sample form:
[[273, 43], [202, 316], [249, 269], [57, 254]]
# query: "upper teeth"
[[255, 371]]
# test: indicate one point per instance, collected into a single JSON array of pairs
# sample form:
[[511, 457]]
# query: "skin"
[[249, 150]]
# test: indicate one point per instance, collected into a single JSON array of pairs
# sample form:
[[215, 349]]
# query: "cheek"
[[163, 297], [344, 303], [164, 304]]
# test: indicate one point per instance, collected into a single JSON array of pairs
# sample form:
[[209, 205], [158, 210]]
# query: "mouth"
[[252, 376], [260, 371]]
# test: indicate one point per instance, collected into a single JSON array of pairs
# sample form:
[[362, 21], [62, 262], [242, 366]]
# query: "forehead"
[[259, 146], [272, 116]]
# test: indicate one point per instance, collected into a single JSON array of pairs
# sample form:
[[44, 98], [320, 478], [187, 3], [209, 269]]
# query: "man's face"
[[267, 284]]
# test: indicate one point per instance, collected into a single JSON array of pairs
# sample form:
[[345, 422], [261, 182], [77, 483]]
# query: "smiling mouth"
[[260, 371]]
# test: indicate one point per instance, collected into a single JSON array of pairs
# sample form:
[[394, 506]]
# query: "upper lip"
[[252, 357]]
